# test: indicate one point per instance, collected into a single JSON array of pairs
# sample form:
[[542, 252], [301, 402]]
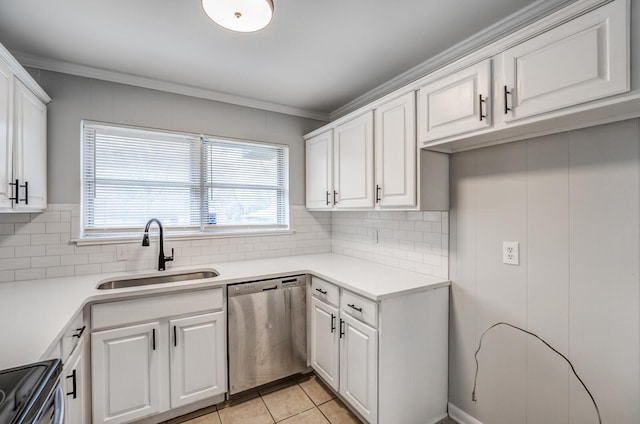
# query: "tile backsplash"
[[35, 246]]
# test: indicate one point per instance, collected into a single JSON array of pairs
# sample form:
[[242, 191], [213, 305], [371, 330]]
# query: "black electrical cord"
[[473, 394]]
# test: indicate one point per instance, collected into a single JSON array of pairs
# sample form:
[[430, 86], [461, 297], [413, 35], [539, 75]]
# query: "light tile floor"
[[306, 401]]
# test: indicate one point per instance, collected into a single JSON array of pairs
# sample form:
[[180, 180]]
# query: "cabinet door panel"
[[198, 365], [6, 135], [73, 378], [353, 163], [582, 60], [452, 106], [395, 152], [319, 160], [358, 367], [324, 342], [30, 148], [126, 372]]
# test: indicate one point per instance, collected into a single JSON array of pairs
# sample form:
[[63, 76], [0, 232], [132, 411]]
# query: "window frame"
[[87, 235]]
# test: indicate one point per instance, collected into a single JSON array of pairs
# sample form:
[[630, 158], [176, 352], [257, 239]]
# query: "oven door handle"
[[58, 406]]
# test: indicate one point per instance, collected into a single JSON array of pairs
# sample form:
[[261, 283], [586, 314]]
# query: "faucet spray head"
[[145, 239]]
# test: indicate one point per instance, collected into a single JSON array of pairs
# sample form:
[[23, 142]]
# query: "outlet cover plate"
[[511, 252]]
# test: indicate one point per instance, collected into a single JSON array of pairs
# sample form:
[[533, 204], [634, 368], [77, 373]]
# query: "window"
[[193, 184]]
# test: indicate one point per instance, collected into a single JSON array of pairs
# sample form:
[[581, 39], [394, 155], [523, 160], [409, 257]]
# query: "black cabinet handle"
[[333, 323], [353, 306], [378, 188], [79, 331], [328, 201], [15, 198], [335, 197], [341, 327], [270, 288], [506, 105], [175, 336], [321, 291], [482, 102], [26, 192], [153, 339], [73, 392]]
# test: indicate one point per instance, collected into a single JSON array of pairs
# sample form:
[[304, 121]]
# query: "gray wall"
[[77, 98], [572, 201]]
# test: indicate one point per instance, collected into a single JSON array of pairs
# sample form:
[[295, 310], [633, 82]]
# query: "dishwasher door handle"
[[270, 288]]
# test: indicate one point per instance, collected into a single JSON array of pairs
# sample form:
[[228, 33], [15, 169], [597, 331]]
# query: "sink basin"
[[136, 281]]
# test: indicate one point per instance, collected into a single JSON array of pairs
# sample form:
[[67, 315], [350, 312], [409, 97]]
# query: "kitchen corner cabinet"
[[353, 163], [387, 360], [23, 135], [319, 171], [456, 104], [158, 353], [395, 152], [582, 60]]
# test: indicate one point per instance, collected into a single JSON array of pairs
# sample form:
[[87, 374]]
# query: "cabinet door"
[[319, 160], [395, 152], [126, 367], [582, 60], [30, 149], [324, 342], [456, 104], [359, 367], [73, 384], [6, 135], [198, 358], [353, 163]]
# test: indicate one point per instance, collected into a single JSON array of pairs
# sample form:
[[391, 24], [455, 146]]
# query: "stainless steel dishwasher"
[[267, 331]]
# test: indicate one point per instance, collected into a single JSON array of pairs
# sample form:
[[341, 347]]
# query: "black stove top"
[[23, 390]]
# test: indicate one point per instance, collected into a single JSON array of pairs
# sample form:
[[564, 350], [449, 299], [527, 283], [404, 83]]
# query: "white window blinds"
[[192, 184]]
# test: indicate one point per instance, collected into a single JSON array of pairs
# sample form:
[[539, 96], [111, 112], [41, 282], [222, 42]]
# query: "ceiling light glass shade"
[[239, 15]]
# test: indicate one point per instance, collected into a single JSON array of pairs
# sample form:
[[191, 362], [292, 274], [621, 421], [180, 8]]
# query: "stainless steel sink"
[[136, 281]]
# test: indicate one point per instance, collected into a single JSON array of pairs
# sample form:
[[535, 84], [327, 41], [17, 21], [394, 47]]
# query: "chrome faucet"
[[162, 260]]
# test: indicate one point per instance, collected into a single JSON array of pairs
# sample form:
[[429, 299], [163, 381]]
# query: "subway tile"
[[60, 249], [30, 274], [7, 252], [60, 271], [45, 238], [114, 267], [29, 228], [7, 229], [101, 258], [26, 251], [17, 240], [88, 269], [15, 217], [80, 259], [432, 216], [14, 263], [49, 216], [45, 261], [7, 276], [58, 227]]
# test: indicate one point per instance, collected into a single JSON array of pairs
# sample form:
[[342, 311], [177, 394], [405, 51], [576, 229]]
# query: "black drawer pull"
[[333, 323], [73, 392], [79, 331], [481, 103], [341, 327], [321, 291], [352, 306], [506, 104], [153, 339], [291, 280], [175, 336]]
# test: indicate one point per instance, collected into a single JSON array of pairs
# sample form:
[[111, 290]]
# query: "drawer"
[[72, 335], [325, 291], [358, 307], [126, 312]]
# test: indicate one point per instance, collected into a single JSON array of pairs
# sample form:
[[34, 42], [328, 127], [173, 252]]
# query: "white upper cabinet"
[[353, 163], [29, 150], [319, 171], [395, 152], [23, 139], [584, 59], [6, 136], [456, 104]]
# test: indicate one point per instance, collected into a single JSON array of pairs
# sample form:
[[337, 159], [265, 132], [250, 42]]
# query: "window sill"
[[88, 241]]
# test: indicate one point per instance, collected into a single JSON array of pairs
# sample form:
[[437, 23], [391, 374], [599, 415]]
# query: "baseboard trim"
[[460, 416]]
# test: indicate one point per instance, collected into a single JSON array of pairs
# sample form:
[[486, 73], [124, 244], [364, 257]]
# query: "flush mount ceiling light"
[[239, 15]]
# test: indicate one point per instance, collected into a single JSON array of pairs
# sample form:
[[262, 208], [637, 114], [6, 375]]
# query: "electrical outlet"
[[373, 235], [121, 252], [511, 252]]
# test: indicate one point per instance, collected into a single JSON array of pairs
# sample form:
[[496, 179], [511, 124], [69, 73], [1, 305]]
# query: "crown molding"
[[23, 75], [500, 29], [48, 64]]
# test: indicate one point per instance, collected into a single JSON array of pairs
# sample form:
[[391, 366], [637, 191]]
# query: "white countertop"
[[34, 313]]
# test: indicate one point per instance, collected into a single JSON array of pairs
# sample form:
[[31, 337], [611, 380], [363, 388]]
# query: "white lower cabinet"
[[325, 342], [387, 360], [126, 367], [73, 383], [359, 366], [197, 357], [176, 357]]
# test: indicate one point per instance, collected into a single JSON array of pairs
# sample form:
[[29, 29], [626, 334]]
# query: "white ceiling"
[[315, 56]]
